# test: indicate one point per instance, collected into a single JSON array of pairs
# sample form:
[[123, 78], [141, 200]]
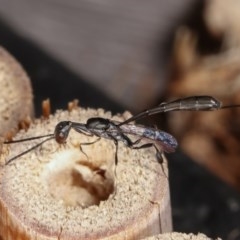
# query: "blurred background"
[[131, 55]]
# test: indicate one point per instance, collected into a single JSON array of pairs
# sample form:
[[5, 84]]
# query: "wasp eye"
[[63, 124]]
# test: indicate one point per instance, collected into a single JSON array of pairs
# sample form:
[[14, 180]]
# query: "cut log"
[[180, 236], [16, 95], [60, 192]]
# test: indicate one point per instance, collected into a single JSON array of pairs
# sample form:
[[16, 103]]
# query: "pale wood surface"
[[56, 192], [16, 98]]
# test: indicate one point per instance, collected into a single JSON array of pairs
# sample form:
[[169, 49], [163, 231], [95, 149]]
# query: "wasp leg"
[[148, 145], [88, 143]]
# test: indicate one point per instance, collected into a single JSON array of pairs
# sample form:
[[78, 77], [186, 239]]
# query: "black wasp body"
[[105, 128], [120, 131]]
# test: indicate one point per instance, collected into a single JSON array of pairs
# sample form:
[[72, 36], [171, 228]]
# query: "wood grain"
[[58, 192]]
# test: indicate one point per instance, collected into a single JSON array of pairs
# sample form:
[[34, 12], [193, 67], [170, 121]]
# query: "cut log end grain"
[[180, 236], [16, 103], [59, 192]]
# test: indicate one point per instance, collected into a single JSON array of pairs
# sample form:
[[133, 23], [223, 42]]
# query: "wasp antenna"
[[28, 139], [231, 106], [30, 149]]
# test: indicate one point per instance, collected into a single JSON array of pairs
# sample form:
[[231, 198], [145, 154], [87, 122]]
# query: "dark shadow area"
[[201, 202], [50, 78], [206, 42]]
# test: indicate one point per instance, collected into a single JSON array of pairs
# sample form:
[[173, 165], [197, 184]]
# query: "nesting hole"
[[76, 181]]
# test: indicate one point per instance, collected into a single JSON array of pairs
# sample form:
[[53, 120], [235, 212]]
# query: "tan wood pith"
[[59, 192], [16, 100]]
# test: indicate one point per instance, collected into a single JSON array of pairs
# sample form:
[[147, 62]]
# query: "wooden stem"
[[59, 192], [16, 98]]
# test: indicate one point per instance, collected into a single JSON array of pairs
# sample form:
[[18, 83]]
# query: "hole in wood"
[[76, 181]]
